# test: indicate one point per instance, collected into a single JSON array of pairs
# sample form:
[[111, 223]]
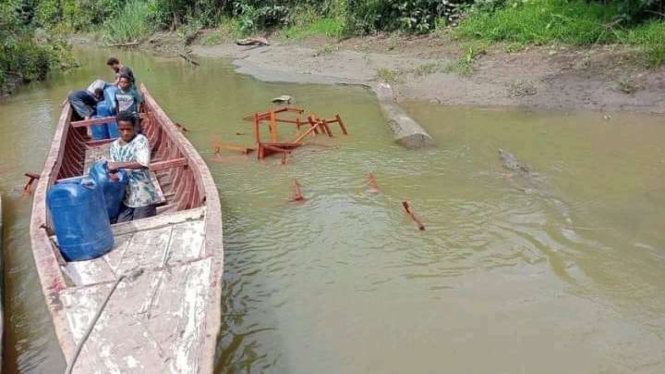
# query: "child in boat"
[[120, 69], [127, 99], [84, 102], [131, 152]]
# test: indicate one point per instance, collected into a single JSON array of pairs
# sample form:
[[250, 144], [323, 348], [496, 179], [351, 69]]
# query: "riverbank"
[[434, 68]]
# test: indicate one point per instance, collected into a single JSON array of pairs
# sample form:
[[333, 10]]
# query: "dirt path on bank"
[[603, 78]]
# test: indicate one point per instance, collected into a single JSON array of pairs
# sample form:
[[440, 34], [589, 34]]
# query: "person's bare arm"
[[115, 166]]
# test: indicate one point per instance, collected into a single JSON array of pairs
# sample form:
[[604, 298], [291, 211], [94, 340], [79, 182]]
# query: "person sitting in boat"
[[127, 99], [131, 152], [119, 70], [84, 102]]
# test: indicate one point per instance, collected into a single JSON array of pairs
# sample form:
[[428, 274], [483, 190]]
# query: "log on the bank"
[[407, 132]]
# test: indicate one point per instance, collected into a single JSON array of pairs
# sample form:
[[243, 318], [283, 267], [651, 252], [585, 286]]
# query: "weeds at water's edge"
[[328, 27], [514, 47], [625, 85], [465, 64], [389, 76], [426, 69], [325, 50]]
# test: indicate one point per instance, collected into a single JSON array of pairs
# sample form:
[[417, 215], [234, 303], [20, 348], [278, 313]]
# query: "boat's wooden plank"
[[186, 242], [177, 315], [153, 324], [120, 341], [147, 249], [159, 221], [89, 272], [156, 248], [114, 258], [97, 121]]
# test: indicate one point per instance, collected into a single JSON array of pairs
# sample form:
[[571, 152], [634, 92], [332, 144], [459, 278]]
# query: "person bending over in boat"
[[120, 69], [131, 152], [84, 102]]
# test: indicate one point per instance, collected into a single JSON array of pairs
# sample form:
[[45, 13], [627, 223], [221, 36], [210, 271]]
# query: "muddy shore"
[[604, 78]]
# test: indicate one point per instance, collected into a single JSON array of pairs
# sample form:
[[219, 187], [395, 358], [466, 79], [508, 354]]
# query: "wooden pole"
[[303, 135], [326, 128], [273, 128], [257, 133], [373, 184], [312, 122], [411, 214], [297, 193], [341, 124]]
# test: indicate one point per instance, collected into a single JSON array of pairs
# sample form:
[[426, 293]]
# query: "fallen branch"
[[32, 177], [181, 128], [188, 59], [411, 214]]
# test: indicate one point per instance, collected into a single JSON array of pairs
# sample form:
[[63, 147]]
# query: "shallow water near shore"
[[559, 271]]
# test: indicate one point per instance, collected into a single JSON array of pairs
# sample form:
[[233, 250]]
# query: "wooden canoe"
[[166, 319]]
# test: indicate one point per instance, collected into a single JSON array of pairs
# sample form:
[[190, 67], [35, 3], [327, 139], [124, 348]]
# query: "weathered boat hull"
[[168, 318]]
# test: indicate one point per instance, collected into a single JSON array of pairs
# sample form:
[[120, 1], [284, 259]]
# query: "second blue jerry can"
[[114, 190]]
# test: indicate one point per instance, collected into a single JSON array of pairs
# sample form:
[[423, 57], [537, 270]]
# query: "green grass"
[[329, 27], [572, 22], [514, 47], [464, 65], [542, 22], [227, 31], [650, 38], [131, 24], [213, 38]]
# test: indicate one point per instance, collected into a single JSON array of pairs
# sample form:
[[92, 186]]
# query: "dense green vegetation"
[[29, 49], [577, 22], [25, 55], [574, 22]]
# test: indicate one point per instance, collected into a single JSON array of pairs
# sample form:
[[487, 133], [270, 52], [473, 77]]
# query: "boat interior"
[[176, 184], [156, 318]]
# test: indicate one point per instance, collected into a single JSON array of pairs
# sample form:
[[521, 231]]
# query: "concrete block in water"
[[407, 132]]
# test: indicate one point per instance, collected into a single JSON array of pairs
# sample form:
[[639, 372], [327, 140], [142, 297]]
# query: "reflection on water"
[[559, 272]]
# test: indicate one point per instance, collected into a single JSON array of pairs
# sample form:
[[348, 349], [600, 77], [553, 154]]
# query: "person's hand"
[[112, 166]]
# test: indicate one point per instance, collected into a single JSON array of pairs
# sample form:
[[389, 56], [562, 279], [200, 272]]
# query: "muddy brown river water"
[[560, 272]]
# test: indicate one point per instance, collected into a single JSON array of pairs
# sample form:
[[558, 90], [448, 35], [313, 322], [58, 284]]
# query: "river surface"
[[562, 271]]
